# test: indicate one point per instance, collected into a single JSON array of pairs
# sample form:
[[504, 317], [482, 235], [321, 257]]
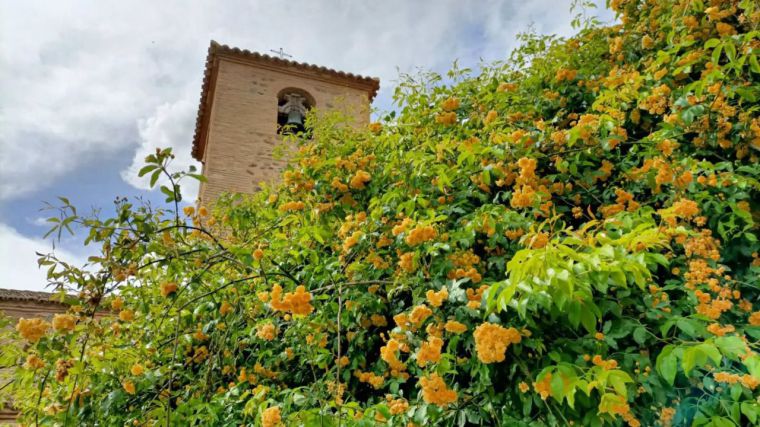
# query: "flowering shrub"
[[567, 237]]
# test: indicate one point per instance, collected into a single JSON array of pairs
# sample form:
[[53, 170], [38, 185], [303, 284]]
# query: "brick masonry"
[[242, 127]]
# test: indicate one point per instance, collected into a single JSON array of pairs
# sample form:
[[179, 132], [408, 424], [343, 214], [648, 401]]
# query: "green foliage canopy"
[[566, 236]]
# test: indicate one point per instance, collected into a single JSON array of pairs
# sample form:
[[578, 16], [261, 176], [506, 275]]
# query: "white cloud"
[[18, 261], [84, 79], [171, 125]]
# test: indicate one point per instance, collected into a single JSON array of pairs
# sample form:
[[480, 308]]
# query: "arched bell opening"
[[292, 106]]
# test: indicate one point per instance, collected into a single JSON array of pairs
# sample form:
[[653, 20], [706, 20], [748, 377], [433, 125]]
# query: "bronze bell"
[[295, 118]]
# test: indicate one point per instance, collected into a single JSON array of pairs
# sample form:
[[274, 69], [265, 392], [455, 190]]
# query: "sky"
[[87, 89]]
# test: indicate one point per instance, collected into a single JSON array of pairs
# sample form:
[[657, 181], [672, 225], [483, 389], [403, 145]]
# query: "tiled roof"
[[370, 84], [18, 295]]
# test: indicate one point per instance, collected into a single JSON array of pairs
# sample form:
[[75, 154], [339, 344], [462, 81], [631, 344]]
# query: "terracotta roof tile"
[[371, 84], [19, 295]]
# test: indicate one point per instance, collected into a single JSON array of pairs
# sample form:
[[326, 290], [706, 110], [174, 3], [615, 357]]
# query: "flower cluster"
[[267, 332], [292, 206], [298, 302], [436, 392], [420, 234], [370, 378], [491, 341], [359, 180], [32, 329], [746, 380], [436, 299], [430, 351], [64, 322], [271, 416]]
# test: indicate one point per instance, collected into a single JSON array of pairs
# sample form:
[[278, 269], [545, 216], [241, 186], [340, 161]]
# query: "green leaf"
[[154, 177], [697, 356], [716, 54], [688, 326], [640, 335], [667, 364], [732, 347], [169, 193], [750, 410], [618, 379], [712, 43], [588, 319], [146, 169], [753, 64]]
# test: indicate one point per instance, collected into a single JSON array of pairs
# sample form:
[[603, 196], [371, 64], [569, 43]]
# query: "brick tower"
[[248, 100]]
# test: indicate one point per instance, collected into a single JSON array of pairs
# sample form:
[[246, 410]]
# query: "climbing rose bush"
[[565, 237]]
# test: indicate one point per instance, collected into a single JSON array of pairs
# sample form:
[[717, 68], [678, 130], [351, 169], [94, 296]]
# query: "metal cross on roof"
[[281, 53]]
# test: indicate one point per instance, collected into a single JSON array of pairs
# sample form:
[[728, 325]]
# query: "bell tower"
[[250, 100]]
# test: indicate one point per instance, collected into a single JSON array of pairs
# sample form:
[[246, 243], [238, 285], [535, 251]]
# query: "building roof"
[[216, 50], [34, 296]]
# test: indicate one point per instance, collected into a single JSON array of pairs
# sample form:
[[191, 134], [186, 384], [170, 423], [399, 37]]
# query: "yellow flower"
[[420, 234], [126, 315], [225, 308], [491, 341], [359, 180], [506, 87], [267, 332], [524, 387], [450, 104], [566, 74], [343, 361], [419, 314], [64, 322], [606, 364], [292, 206], [717, 329], [406, 262], [32, 329], [202, 211], [538, 241], [129, 387], [189, 210], [436, 392], [117, 303], [455, 327], [376, 381], [298, 302], [258, 254], [429, 352], [137, 369], [352, 240], [544, 386], [33, 362], [490, 117], [375, 127], [436, 299], [447, 119], [168, 288], [754, 319], [397, 406], [685, 208], [725, 29]]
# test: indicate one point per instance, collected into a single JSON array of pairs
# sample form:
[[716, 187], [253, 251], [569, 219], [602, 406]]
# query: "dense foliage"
[[567, 237]]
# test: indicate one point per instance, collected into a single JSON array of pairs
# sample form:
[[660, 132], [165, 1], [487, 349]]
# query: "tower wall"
[[242, 126]]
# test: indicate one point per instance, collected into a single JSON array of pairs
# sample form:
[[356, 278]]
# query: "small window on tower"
[[292, 105]]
